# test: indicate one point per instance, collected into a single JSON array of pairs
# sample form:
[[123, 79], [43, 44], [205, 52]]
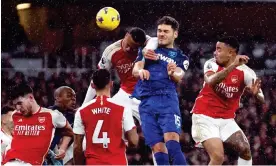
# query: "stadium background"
[[56, 43]]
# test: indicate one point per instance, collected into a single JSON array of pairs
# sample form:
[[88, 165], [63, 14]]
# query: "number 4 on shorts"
[[96, 140]]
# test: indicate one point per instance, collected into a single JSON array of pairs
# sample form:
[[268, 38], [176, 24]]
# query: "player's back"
[[103, 124]]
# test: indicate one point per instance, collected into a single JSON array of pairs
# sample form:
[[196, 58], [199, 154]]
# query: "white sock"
[[153, 158], [244, 162]]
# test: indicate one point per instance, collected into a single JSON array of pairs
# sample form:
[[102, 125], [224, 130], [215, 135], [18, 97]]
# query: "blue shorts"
[[159, 114]]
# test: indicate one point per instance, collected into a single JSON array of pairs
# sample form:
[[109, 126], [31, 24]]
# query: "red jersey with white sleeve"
[[115, 57], [33, 135], [104, 123], [223, 100]]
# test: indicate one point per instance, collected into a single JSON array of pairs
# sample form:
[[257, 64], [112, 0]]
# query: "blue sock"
[[175, 153], [161, 158]]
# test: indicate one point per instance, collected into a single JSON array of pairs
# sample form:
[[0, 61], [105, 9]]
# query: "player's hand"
[[255, 87], [144, 74], [171, 68], [60, 155], [150, 54], [240, 60]]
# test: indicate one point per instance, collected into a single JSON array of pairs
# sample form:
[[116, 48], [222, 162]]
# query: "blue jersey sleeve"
[[140, 56], [183, 62]]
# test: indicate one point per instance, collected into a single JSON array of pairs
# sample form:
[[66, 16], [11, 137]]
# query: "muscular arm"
[[138, 66], [212, 78], [78, 155], [177, 75], [132, 137]]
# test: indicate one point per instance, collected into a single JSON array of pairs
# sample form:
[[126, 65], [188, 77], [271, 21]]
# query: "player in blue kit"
[[159, 107]]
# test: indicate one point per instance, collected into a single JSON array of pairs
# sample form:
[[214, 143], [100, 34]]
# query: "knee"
[[159, 147], [245, 152], [218, 157], [171, 136]]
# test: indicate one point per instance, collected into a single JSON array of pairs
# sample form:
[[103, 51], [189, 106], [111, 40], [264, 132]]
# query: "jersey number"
[[96, 140]]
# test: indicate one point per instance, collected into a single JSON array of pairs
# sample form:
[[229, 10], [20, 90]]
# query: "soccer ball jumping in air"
[[108, 18]]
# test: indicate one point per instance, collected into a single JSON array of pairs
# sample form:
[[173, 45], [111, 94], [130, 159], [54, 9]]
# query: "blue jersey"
[[159, 81]]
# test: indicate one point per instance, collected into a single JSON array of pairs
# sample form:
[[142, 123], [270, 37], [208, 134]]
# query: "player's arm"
[[138, 70], [78, 155], [130, 128], [175, 73], [253, 85], [212, 78], [104, 63], [148, 50], [78, 139], [59, 121]]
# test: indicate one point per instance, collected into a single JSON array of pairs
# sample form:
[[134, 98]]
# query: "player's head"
[[167, 31], [23, 99], [134, 38], [226, 48], [6, 118], [101, 80], [65, 97]]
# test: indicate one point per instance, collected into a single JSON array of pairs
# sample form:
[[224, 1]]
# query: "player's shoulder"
[[246, 69], [212, 60], [115, 103], [112, 48], [84, 106]]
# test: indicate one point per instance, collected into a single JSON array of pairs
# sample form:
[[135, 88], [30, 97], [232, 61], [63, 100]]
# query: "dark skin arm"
[[78, 155]]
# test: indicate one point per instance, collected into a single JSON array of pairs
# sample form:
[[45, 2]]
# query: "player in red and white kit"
[[34, 128], [226, 77], [6, 129], [104, 124], [121, 56]]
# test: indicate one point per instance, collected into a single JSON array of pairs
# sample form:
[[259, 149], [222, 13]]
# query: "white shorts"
[[17, 163], [205, 127], [122, 98]]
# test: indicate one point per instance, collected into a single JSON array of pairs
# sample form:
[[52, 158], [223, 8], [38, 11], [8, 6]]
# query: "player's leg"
[[153, 133], [214, 148], [234, 137], [205, 132], [170, 122]]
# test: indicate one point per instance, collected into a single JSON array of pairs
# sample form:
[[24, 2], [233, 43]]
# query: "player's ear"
[[111, 84], [175, 34]]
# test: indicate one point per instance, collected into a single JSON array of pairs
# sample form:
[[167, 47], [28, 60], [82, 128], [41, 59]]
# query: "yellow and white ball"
[[108, 18]]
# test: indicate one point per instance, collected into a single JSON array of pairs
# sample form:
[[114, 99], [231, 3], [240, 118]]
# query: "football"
[[108, 18]]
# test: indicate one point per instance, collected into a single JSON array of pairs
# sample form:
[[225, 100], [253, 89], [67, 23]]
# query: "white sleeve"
[[248, 76], [90, 94], [105, 62], [78, 124], [210, 65], [152, 43], [128, 121], [59, 121]]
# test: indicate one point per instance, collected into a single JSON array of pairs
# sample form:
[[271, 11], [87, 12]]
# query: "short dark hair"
[[167, 20], [138, 35], [231, 41], [101, 78], [6, 109], [20, 90]]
